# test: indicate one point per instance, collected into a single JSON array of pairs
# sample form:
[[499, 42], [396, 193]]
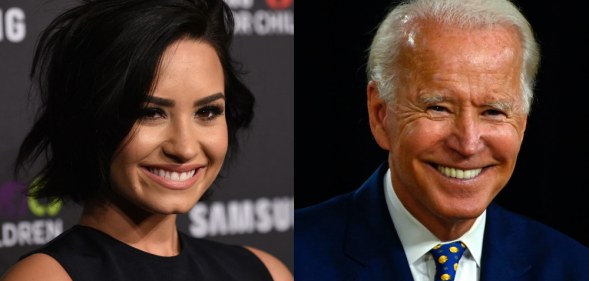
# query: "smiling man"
[[450, 88]]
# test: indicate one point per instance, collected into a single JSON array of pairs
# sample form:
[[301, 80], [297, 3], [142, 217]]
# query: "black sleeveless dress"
[[88, 254]]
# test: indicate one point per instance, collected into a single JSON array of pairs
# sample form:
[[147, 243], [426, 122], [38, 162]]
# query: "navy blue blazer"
[[352, 237]]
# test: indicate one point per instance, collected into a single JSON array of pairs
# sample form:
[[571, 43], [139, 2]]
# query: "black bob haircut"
[[94, 68]]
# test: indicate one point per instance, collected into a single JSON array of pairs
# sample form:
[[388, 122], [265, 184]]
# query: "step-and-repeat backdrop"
[[253, 205]]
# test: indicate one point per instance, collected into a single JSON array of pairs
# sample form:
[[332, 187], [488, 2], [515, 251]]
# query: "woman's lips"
[[172, 179]]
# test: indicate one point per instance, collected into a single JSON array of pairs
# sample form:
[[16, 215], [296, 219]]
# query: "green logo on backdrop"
[[40, 209]]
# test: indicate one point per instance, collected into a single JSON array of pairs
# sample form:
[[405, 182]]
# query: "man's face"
[[457, 125]]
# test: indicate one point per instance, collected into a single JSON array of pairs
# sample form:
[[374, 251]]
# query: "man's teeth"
[[459, 174], [175, 176]]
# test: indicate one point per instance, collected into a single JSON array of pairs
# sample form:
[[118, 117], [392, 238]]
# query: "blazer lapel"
[[503, 258], [371, 239]]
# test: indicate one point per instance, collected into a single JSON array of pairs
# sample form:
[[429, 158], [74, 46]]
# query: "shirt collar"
[[417, 240]]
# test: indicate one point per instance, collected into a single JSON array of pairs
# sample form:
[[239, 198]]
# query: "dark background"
[[335, 151], [259, 183]]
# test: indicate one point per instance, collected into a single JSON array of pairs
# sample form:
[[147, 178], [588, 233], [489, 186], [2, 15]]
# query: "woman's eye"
[[209, 112], [151, 113]]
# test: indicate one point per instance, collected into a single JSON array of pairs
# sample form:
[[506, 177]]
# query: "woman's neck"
[[152, 233]]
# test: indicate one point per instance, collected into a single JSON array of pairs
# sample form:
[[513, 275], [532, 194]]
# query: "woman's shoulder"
[[36, 267], [234, 255], [40, 264], [277, 268]]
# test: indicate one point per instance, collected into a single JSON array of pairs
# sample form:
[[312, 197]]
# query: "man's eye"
[[493, 112], [437, 108]]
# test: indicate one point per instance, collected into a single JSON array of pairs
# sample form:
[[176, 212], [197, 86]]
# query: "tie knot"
[[446, 257]]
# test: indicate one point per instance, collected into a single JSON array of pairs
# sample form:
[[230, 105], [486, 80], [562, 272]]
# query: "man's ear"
[[377, 114], [524, 125]]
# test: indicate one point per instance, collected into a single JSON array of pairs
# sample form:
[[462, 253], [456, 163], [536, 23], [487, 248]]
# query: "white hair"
[[383, 53]]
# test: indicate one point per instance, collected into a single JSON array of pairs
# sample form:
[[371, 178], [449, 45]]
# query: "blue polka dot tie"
[[446, 257]]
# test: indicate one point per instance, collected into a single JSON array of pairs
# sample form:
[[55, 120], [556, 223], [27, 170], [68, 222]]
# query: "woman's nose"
[[182, 143]]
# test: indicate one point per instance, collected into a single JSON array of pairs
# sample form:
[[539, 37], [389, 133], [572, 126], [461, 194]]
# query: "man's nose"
[[465, 137]]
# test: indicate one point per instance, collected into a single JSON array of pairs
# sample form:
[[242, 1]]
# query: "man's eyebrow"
[[505, 106], [433, 99], [209, 99]]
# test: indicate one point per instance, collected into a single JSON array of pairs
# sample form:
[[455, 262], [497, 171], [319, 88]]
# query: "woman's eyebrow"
[[209, 99], [170, 103], [161, 101]]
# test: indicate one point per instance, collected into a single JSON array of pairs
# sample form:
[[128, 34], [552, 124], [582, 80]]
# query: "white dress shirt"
[[417, 240]]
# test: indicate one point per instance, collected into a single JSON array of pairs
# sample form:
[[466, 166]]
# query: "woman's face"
[[176, 150]]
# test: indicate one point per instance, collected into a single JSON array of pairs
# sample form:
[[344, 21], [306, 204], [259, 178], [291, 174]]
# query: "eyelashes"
[[210, 112], [205, 113], [151, 113]]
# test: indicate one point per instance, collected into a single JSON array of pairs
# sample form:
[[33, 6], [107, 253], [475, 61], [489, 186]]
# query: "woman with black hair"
[[140, 108]]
